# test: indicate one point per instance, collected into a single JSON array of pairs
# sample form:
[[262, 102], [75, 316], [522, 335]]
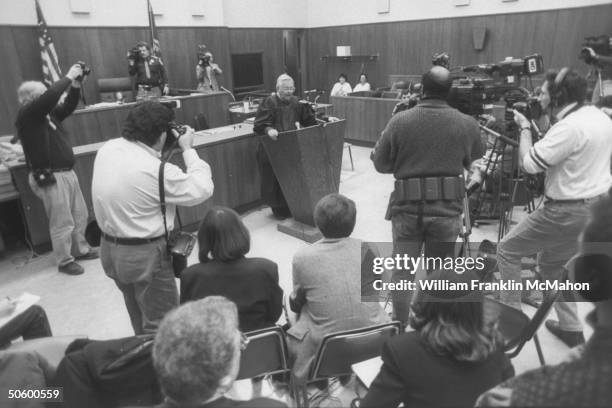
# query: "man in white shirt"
[[125, 195], [575, 154]]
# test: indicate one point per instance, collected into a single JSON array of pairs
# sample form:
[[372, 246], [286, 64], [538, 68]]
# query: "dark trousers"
[[437, 234], [145, 276], [32, 323], [271, 192]]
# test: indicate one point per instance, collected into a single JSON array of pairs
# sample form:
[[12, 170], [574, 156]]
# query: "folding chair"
[[516, 327], [338, 351], [266, 353]]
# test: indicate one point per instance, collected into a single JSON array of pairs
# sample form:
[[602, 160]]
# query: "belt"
[[57, 170], [129, 241], [146, 87], [575, 201]]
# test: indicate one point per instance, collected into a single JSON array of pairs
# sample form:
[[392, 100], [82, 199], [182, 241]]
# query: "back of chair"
[[540, 315], [338, 351], [511, 322], [266, 353]]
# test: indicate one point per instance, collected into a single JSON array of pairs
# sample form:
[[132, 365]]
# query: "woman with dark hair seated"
[[251, 283], [450, 358]]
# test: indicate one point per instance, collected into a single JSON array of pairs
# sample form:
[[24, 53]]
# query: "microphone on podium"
[[229, 92]]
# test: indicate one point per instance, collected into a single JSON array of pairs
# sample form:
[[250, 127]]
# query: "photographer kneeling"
[[575, 154], [126, 200]]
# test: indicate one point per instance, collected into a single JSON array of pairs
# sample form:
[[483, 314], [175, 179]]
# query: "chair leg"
[[536, 340], [351, 156]]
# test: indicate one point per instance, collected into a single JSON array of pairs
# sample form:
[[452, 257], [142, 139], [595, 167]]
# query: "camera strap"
[[162, 199]]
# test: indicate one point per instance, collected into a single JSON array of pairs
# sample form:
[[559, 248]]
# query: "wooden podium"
[[307, 164]]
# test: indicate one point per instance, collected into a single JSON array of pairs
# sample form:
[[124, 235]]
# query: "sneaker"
[[71, 268], [571, 338], [92, 254]]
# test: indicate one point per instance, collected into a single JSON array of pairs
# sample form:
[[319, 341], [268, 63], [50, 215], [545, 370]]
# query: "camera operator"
[[603, 64], [126, 200], [575, 154], [206, 73], [149, 72], [50, 160], [427, 149]]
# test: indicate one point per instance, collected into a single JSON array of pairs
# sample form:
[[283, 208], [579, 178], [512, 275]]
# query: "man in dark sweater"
[[427, 149], [50, 160]]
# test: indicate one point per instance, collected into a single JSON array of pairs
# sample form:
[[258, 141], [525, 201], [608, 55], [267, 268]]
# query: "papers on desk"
[[367, 370], [102, 105], [23, 302]]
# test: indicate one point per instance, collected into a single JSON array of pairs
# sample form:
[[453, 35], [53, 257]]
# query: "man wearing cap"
[[427, 149]]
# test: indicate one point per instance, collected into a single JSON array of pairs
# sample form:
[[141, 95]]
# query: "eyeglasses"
[[244, 341]]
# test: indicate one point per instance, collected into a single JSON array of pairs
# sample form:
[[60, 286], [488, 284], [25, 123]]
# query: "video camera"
[[487, 83], [601, 45], [134, 54]]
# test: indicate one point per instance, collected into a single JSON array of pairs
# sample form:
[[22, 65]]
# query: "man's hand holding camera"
[[75, 73], [185, 140]]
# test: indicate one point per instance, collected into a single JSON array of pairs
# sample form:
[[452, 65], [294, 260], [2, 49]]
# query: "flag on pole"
[[50, 66], [155, 48]]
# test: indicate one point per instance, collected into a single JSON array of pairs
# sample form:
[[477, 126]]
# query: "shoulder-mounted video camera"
[[601, 45], [134, 54]]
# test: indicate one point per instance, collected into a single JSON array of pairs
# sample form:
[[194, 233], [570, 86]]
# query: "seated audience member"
[[32, 323], [450, 357], [327, 284], [363, 84], [196, 356], [584, 379], [341, 88], [251, 283]]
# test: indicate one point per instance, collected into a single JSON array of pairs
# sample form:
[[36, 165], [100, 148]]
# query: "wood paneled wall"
[[104, 50], [268, 40], [404, 48], [407, 47]]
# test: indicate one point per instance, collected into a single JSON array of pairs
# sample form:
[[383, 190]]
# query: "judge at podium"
[[279, 112]]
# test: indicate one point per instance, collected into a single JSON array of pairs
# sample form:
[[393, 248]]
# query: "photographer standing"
[[126, 200], [427, 149], [575, 154], [206, 72], [149, 72], [50, 160]]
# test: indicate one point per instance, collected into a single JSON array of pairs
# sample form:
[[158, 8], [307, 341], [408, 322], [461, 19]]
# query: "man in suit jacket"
[[327, 284]]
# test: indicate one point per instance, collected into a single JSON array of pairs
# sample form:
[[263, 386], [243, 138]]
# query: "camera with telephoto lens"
[[171, 137], [86, 70], [204, 60]]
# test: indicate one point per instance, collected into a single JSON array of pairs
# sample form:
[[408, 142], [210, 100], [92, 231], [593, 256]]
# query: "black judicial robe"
[[281, 115]]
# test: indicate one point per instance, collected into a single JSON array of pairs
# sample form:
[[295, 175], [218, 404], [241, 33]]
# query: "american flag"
[[50, 66], [153, 31]]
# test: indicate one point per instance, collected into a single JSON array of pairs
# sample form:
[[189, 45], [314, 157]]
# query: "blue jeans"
[[437, 234], [551, 232]]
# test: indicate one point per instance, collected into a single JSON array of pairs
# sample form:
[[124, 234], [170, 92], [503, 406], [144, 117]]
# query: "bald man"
[[427, 149], [279, 112], [50, 160]]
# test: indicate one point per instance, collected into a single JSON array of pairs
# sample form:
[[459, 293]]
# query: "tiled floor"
[[90, 304]]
